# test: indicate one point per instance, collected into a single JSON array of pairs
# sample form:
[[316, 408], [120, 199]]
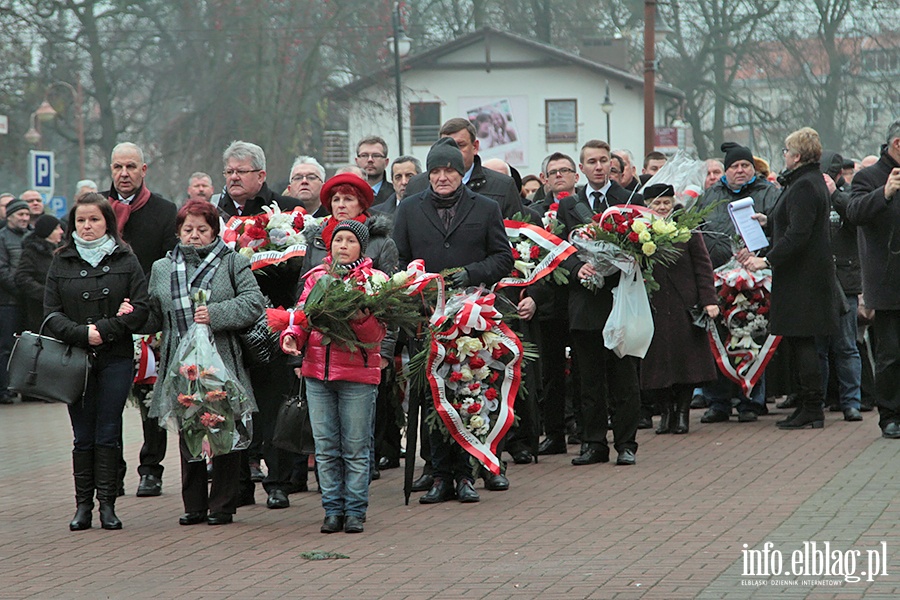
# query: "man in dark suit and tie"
[[450, 226], [403, 169], [605, 379]]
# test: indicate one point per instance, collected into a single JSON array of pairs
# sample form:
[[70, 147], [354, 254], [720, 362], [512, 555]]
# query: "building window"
[[336, 148], [872, 107], [562, 120], [424, 122]]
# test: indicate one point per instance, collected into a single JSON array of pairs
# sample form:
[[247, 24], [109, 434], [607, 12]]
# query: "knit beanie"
[[15, 206], [445, 153], [356, 228], [735, 152], [45, 225]]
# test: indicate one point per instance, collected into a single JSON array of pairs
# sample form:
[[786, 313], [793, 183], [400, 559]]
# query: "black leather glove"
[[460, 279]]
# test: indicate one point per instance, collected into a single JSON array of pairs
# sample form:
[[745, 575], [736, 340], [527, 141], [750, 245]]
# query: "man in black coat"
[[496, 186], [372, 158], [449, 226], [146, 221], [604, 377], [246, 193], [875, 207], [403, 169]]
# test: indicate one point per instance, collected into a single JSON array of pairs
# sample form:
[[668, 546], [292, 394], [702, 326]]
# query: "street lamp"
[[607, 107], [651, 33], [46, 112], [399, 46], [33, 136]]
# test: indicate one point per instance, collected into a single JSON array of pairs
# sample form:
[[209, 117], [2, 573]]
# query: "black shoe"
[[645, 423], [217, 518], [192, 518], [108, 518], [866, 407], [626, 457], [423, 483], [385, 463], [376, 474], [278, 499], [789, 402], [714, 416], [352, 524], [552, 445], [699, 401], [150, 485], [296, 487], [332, 524], [836, 407], [522, 457], [82, 518], [747, 416], [7, 399], [592, 455], [807, 418], [852, 414], [256, 472], [891, 431], [573, 440], [465, 492], [495, 483], [441, 491]]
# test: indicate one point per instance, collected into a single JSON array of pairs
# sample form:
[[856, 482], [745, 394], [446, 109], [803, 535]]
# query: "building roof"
[[554, 57]]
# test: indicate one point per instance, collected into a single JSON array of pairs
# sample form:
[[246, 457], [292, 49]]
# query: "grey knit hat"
[[15, 206], [445, 153], [356, 228]]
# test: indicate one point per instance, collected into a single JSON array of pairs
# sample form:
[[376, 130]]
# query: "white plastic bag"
[[629, 328]]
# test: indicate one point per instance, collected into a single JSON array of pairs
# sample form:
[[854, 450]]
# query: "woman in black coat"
[[679, 358], [806, 298], [88, 280], [31, 274]]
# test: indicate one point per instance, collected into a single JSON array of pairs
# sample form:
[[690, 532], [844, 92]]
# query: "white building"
[[546, 99]]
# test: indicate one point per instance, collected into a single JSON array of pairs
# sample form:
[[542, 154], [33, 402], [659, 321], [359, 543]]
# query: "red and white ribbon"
[[260, 259], [752, 362], [146, 372], [557, 251]]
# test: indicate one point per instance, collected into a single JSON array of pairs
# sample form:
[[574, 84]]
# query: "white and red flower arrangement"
[[746, 346], [536, 254], [472, 365], [550, 219], [269, 238]]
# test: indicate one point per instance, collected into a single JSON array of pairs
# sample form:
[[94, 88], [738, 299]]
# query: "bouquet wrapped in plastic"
[[203, 399]]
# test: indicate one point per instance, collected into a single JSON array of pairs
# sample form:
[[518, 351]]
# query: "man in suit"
[[246, 193], [146, 221], [403, 169], [604, 377], [449, 226], [372, 158], [493, 185]]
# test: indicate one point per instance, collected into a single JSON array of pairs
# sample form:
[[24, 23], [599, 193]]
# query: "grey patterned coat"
[[235, 303]]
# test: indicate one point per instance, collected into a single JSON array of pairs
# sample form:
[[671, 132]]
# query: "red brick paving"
[[670, 527]]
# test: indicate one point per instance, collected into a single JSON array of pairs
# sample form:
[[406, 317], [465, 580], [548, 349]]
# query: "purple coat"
[[679, 352]]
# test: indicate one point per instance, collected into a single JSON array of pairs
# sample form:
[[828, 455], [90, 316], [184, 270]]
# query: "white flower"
[[247, 252], [378, 280], [482, 373], [524, 249], [491, 340], [466, 373], [468, 346], [475, 423], [400, 278]]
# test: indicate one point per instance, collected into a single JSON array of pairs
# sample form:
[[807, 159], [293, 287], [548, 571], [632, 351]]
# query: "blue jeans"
[[720, 393], [847, 362], [341, 414], [97, 419]]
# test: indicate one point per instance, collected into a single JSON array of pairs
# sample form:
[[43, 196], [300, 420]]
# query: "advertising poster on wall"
[[501, 125]]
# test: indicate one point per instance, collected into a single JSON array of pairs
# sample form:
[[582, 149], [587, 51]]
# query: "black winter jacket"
[[10, 253], [92, 295], [150, 231], [31, 277]]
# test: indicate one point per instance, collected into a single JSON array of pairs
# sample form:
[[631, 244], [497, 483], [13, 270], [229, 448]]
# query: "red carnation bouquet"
[[269, 238]]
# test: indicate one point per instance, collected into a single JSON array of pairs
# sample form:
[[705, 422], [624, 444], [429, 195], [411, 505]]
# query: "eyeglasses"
[[239, 172], [372, 156], [310, 178], [614, 172], [563, 171]]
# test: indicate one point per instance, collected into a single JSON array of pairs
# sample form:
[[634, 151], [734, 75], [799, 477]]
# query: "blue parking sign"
[[59, 206], [41, 171]]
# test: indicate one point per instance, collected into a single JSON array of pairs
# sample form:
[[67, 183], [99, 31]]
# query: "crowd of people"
[[128, 262]]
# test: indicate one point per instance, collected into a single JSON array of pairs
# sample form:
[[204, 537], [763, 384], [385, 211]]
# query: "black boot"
[[682, 414], [810, 414], [83, 470], [106, 479], [665, 415]]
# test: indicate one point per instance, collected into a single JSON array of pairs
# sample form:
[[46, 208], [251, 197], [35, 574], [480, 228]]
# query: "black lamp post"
[[399, 45]]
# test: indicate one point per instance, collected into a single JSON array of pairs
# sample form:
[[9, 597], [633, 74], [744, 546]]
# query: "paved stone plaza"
[[673, 526]]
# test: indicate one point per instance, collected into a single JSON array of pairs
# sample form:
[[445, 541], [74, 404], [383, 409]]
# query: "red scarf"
[[331, 223], [123, 211]]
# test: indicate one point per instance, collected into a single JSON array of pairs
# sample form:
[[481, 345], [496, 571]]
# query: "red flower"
[[211, 419], [633, 237], [597, 218], [617, 218], [474, 408], [762, 310], [186, 400], [560, 196], [190, 372], [607, 226], [476, 362], [262, 220], [298, 222], [555, 205], [622, 229], [498, 352], [742, 314], [216, 395], [255, 232], [451, 358], [455, 376], [474, 387], [534, 253], [491, 394], [515, 273], [493, 378], [516, 255]]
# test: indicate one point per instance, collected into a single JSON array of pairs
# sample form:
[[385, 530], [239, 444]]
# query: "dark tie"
[[598, 199]]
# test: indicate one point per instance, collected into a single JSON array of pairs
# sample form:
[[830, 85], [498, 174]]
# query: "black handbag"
[[44, 367], [293, 430], [258, 343]]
